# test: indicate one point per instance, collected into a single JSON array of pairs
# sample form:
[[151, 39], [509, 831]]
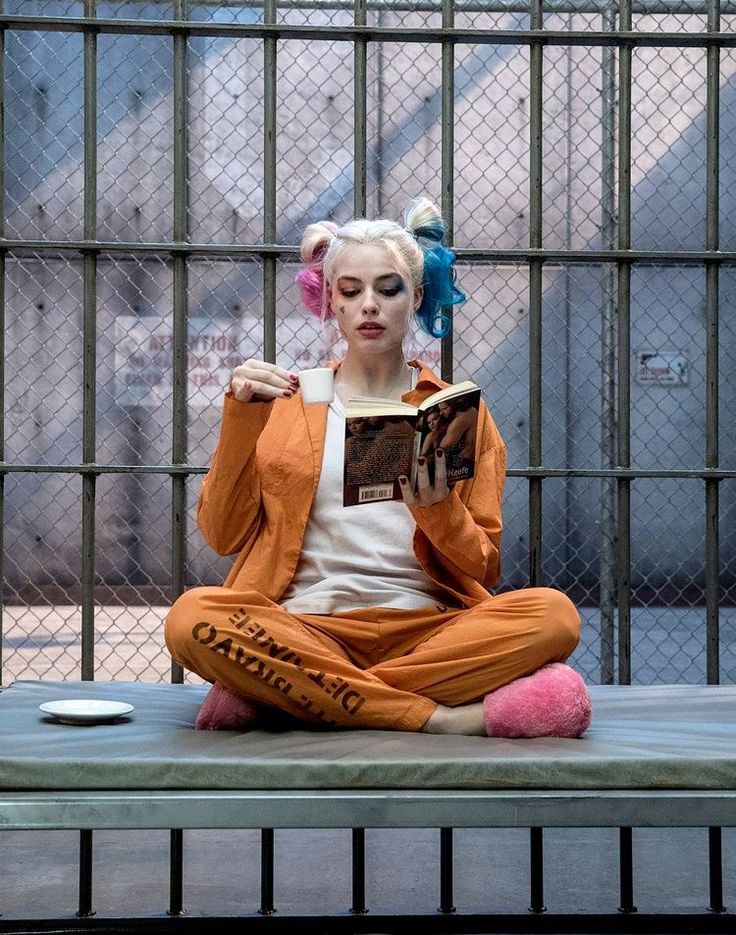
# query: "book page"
[[376, 405], [456, 389]]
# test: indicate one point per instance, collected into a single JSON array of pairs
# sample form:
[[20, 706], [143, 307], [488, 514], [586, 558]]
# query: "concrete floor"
[[312, 873]]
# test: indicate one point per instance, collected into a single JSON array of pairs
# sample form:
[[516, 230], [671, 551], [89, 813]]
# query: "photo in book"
[[385, 438]]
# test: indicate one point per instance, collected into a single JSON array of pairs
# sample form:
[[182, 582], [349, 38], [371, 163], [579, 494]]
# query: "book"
[[384, 438]]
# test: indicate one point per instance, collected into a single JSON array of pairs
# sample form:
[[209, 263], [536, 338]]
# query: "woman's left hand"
[[427, 494]]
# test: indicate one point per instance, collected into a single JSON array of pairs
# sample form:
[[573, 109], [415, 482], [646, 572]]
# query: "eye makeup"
[[394, 285], [390, 286]]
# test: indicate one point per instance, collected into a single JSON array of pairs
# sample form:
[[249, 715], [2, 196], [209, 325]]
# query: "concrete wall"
[[44, 176]]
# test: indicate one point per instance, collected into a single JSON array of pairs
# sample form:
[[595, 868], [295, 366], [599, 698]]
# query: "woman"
[[437, 428], [459, 439], [375, 616]]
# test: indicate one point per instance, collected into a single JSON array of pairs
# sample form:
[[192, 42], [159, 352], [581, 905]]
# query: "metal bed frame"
[[392, 808]]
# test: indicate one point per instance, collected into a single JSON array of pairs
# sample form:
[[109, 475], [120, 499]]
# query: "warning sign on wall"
[[663, 368], [144, 359]]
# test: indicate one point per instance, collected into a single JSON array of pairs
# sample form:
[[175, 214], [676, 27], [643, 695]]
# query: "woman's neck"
[[387, 377]]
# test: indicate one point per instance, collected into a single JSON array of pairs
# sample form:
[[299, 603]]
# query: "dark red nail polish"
[[421, 461], [440, 453]]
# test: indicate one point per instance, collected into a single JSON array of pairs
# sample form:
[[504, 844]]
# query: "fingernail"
[[440, 453], [288, 393], [402, 480], [421, 461], [294, 378]]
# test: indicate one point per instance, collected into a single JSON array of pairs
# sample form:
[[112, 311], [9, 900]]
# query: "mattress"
[[642, 737]]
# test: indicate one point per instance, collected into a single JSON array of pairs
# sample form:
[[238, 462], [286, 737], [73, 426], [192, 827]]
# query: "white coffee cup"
[[317, 385]]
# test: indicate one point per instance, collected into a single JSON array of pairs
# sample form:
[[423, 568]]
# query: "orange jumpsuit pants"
[[370, 668]]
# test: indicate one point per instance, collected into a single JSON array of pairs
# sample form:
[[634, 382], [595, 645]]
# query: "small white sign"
[[663, 368]]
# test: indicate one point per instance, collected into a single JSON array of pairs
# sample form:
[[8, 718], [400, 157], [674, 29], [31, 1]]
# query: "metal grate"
[[159, 160]]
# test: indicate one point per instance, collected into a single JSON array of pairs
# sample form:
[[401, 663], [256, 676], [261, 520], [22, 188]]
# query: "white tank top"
[[355, 556]]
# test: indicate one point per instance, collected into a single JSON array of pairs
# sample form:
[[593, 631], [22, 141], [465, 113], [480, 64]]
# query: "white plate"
[[85, 710]]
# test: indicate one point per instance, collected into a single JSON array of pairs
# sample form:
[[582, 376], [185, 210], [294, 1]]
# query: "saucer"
[[86, 710]]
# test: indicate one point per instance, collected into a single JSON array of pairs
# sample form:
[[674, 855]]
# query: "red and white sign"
[[663, 368]]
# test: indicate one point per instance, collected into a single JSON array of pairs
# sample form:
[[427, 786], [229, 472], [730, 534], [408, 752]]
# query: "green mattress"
[[642, 737]]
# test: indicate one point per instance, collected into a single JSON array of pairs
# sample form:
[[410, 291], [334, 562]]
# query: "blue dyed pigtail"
[[439, 279]]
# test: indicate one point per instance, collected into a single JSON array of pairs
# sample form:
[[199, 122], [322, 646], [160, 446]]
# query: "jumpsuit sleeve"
[[230, 509], [464, 529]]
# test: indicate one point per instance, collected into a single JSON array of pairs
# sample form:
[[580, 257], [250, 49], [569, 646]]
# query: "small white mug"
[[317, 385]]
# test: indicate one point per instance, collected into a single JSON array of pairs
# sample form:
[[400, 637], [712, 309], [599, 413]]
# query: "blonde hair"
[[323, 243]]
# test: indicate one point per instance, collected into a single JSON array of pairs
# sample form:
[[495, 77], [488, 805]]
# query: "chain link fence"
[[91, 120]]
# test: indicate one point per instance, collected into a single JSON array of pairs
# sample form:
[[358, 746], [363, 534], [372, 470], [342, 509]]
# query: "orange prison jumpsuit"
[[372, 667]]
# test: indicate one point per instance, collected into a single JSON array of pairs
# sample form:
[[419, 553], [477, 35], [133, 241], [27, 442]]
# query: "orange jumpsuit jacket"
[[256, 498]]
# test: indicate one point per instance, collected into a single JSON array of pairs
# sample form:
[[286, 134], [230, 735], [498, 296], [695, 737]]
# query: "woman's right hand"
[[258, 381]]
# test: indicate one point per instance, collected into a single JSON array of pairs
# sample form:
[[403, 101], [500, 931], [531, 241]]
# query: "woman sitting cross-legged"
[[378, 616]]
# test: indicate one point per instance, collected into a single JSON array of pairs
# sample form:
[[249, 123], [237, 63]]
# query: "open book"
[[384, 438]]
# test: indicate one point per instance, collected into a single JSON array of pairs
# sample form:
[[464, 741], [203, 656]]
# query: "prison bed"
[[655, 756]]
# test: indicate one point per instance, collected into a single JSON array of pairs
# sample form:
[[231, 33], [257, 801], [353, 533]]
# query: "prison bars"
[[623, 40]]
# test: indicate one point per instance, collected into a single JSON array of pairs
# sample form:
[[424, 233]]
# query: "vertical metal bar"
[[536, 869], [360, 114], [446, 871], [179, 325], [89, 338], [626, 870], [378, 147], [535, 296], [568, 519], [180, 390], [626, 861], [358, 865], [715, 870], [267, 853], [85, 909], [89, 403], [607, 564], [270, 75], [2, 337], [447, 170], [712, 242], [176, 875], [624, 351], [712, 301]]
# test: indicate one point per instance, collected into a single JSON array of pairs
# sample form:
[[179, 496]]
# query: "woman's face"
[[433, 420], [373, 300], [356, 426]]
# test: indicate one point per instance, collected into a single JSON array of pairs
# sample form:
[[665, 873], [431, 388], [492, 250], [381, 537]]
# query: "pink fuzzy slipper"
[[224, 710], [551, 702]]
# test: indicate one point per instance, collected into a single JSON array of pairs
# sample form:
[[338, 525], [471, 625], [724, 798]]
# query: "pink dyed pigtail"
[[311, 278]]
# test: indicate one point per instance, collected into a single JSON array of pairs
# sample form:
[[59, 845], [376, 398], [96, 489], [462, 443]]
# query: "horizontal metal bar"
[[365, 808], [428, 35], [95, 469], [524, 923], [62, 247], [541, 471], [475, 6], [627, 472], [169, 469], [164, 251]]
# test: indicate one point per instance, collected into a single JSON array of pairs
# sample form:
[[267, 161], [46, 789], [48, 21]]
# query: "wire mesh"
[[226, 310]]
